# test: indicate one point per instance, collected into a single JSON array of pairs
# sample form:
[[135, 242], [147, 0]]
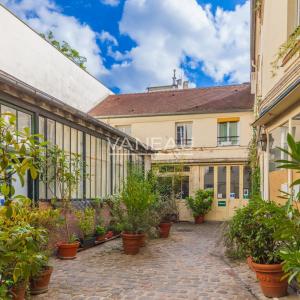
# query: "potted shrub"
[[132, 208], [65, 174], [256, 236], [201, 204], [20, 242], [86, 221], [100, 233]]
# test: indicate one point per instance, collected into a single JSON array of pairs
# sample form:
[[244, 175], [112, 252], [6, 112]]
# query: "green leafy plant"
[[100, 230], [66, 49], [201, 203], [292, 44], [63, 170], [291, 264], [131, 208], [253, 228], [86, 220], [19, 153]]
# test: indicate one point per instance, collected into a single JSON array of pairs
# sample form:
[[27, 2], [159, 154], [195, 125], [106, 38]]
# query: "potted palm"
[[201, 204], [86, 219], [63, 170]]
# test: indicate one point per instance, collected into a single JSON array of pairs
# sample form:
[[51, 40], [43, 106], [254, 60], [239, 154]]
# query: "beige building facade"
[[195, 148], [275, 56]]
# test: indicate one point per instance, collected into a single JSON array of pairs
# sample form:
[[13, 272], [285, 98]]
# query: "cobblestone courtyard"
[[185, 266]]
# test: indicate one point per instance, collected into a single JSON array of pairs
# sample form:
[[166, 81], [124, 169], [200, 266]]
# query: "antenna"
[[174, 77]]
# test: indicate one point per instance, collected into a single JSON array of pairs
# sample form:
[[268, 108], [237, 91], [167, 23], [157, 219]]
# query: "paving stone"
[[181, 267]]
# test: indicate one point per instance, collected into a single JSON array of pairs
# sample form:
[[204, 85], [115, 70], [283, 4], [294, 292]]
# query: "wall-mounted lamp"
[[263, 141]]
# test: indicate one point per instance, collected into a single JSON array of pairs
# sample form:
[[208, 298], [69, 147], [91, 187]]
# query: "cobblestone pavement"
[[184, 266]]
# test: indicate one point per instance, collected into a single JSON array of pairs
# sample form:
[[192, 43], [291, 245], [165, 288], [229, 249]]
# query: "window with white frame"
[[183, 134], [228, 133], [124, 128]]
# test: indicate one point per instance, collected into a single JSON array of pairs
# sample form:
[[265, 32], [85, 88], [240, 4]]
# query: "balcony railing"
[[184, 142], [228, 140]]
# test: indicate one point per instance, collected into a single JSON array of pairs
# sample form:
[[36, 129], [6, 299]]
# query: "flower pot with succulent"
[[201, 204], [100, 233]]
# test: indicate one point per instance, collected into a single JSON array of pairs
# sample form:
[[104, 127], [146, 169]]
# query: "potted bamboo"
[[201, 204]]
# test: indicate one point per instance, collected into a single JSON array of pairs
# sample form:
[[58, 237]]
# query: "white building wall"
[[28, 57]]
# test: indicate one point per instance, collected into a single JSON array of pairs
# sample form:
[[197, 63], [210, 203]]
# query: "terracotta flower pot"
[[39, 284], [100, 238], [131, 243], [109, 235], [142, 239], [270, 279], [67, 251], [18, 291], [249, 262], [164, 229], [199, 219]]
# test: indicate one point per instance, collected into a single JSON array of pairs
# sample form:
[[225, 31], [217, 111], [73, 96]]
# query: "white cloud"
[[105, 36], [111, 2], [166, 32], [45, 15]]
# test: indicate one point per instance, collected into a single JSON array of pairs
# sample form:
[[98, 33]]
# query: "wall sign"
[[222, 203]]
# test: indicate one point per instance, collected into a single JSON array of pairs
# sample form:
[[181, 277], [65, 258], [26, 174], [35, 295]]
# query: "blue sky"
[[136, 43]]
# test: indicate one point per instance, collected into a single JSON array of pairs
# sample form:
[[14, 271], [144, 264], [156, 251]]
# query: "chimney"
[[185, 85]]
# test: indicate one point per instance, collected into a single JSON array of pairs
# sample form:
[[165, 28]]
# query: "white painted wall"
[[28, 57]]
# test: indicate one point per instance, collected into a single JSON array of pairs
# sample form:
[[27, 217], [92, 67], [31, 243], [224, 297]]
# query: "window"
[[234, 182], [184, 134], [181, 187], [222, 182], [228, 133], [124, 128], [209, 178]]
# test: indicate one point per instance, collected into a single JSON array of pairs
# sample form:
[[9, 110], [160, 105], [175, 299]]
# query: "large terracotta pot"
[[18, 291], [39, 284], [164, 229], [131, 243], [142, 239], [199, 219], [67, 251], [270, 279]]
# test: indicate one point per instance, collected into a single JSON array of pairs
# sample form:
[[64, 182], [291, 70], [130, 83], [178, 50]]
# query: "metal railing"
[[228, 140]]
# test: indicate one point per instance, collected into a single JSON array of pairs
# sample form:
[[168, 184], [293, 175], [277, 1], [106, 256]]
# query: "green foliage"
[[201, 203], [19, 152], [100, 230], [86, 220], [291, 264], [290, 45], [252, 231], [63, 170], [66, 49]]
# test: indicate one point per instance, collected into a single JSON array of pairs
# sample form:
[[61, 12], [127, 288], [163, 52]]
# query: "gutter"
[[278, 100]]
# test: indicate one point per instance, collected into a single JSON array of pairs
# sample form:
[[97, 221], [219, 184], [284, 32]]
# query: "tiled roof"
[[196, 100]]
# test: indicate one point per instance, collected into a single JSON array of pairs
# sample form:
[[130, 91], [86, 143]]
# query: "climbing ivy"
[[66, 49]]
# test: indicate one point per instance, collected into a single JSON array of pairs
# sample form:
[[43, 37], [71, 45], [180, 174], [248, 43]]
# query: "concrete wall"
[[28, 57]]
